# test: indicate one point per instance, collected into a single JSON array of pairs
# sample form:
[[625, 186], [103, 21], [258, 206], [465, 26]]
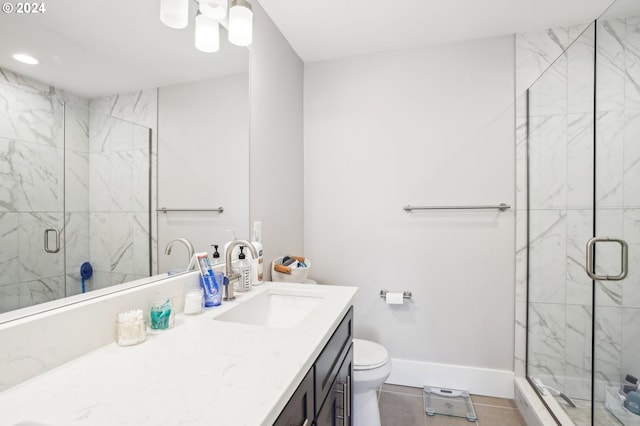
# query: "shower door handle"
[[624, 264], [56, 231]]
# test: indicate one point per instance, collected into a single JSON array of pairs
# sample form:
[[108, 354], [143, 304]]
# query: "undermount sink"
[[30, 424], [275, 307]]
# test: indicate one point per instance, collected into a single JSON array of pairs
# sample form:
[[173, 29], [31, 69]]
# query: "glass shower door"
[[74, 190], [584, 222], [31, 201], [560, 221], [107, 200], [616, 261]]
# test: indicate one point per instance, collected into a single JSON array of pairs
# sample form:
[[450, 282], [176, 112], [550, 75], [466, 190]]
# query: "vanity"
[[279, 354], [325, 391]]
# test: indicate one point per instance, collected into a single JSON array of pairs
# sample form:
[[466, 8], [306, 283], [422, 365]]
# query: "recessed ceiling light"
[[25, 59]]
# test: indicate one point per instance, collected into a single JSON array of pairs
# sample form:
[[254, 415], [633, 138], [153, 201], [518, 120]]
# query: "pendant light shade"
[[240, 23], [174, 13], [214, 9], [207, 34]]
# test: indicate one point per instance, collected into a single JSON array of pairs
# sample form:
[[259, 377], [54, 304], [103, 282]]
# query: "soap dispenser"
[[215, 256], [244, 270]]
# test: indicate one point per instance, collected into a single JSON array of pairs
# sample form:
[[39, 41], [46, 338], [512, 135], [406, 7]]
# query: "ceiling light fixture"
[[240, 23], [214, 9], [207, 33], [25, 59], [175, 14]]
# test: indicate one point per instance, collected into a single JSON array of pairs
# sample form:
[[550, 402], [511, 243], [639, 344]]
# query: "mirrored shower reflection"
[[74, 188]]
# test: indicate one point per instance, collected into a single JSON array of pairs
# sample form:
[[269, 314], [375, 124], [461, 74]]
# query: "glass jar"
[[194, 301], [130, 328]]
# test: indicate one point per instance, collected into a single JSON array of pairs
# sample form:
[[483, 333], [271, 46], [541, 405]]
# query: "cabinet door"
[[299, 410], [330, 359], [337, 408]]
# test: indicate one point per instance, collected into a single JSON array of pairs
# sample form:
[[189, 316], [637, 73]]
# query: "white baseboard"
[[478, 381]]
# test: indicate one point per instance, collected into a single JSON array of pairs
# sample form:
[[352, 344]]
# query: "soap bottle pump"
[[215, 256], [244, 269]]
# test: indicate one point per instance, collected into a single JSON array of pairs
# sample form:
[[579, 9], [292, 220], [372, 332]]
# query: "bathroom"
[[335, 144]]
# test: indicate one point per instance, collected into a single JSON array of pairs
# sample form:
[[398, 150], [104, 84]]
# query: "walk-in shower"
[[74, 190], [583, 222]]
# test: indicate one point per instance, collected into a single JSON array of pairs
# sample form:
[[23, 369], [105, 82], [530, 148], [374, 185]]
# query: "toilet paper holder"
[[405, 294]]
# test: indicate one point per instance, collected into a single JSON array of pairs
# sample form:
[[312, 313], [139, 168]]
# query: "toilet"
[[371, 367]]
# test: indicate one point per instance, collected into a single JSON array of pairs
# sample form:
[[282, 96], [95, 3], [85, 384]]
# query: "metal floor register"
[[448, 402]]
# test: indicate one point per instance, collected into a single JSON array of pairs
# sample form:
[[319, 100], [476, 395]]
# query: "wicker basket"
[[297, 275]]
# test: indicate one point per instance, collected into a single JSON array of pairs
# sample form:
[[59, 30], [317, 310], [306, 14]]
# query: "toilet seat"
[[368, 355]]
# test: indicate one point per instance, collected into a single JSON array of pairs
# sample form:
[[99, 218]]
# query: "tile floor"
[[404, 406], [581, 414]]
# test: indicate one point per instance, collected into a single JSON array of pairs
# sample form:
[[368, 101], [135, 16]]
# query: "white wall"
[[276, 153], [203, 162], [429, 126]]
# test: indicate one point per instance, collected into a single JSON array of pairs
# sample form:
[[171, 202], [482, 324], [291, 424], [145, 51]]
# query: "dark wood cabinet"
[[337, 408], [330, 359], [324, 396], [299, 411]]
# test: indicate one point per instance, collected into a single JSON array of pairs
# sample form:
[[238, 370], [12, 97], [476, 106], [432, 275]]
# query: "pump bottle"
[[244, 269]]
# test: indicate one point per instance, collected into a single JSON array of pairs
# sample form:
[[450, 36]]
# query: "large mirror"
[[122, 138]]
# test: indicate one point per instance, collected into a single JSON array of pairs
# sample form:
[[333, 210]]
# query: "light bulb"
[[207, 34], [25, 59], [174, 13], [240, 23]]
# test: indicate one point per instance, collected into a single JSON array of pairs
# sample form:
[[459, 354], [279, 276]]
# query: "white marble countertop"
[[200, 372]]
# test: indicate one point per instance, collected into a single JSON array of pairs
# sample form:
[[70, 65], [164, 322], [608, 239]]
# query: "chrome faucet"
[[187, 243], [229, 293]]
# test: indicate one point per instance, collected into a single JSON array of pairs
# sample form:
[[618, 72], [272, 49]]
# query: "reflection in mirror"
[[203, 152], [114, 121], [75, 192]]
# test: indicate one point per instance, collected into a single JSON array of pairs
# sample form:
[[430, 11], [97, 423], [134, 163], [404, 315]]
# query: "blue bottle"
[[633, 402]]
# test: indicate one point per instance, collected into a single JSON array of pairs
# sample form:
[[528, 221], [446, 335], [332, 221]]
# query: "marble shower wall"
[[536, 53], [561, 190], [76, 193], [120, 157], [560, 151], [94, 152], [32, 168]]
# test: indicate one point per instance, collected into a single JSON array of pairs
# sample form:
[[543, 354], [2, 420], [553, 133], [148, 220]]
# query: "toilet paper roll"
[[394, 298]]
